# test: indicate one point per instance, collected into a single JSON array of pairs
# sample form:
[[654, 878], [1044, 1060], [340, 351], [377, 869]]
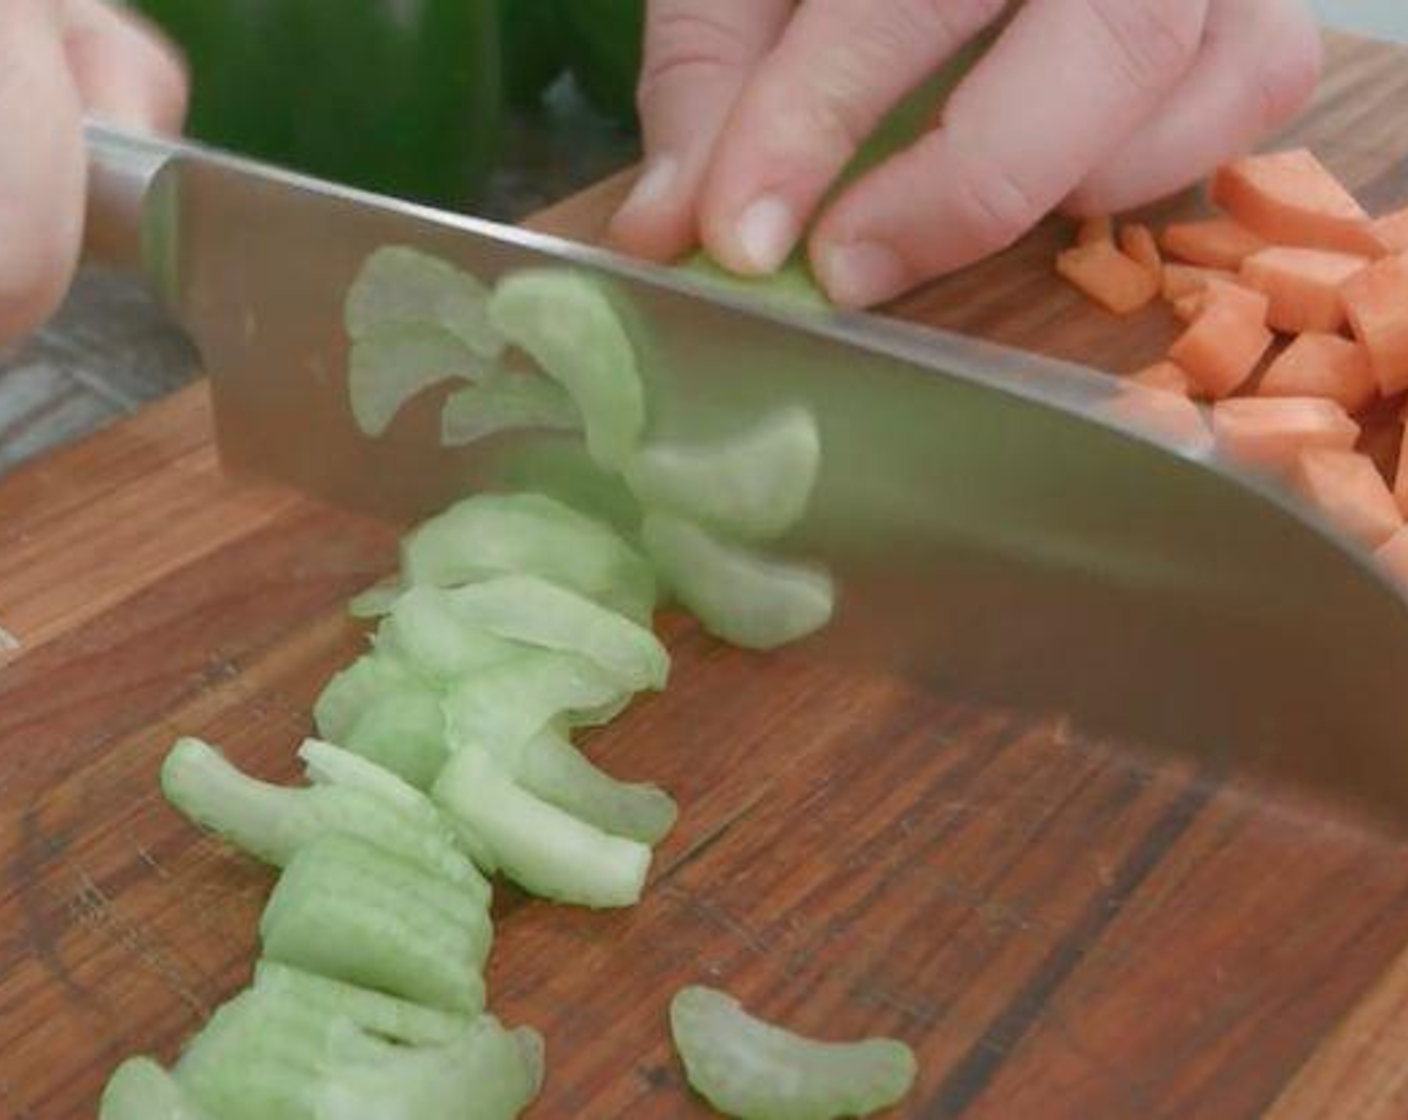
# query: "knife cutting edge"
[[997, 534]]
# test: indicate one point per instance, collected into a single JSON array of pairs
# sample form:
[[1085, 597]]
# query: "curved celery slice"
[[267, 1055], [505, 402], [755, 485], [424, 629], [536, 612], [545, 850], [752, 1070], [139, 1089], [565, 322], [562, 470], [551, 768], [403, 733], [497, 534], [351, 692], [397, 1020], [501, 707], [272, 822], [377, 599], [739, 595], [792, 285], [350, 911], [389, 367], [400, 286]]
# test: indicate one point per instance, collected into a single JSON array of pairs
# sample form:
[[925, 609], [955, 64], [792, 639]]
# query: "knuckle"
[[993, 204], [955, 21], [685, 41], [1151, 41]]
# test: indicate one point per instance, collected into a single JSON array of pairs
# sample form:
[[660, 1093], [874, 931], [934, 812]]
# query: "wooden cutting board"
[[1059, 929]]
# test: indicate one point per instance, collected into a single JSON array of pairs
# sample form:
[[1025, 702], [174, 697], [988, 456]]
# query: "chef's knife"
[[997, 535]]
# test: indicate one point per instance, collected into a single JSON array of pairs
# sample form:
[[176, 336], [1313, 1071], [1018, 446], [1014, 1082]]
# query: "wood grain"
[[1059, 927]]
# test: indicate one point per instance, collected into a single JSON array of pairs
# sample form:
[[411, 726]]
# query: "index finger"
[[1064, 85]]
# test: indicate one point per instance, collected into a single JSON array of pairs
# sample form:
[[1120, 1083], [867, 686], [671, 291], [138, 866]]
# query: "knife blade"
[[999, 536]]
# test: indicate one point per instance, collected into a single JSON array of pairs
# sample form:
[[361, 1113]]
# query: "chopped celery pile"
[[446, 749], [752, 1070]]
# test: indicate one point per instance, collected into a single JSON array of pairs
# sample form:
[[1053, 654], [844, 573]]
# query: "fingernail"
[[861, 273], [766, 231], [655, 182]]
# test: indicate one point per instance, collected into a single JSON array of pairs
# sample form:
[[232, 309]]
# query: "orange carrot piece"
[[1165, 375], [1139, 245], [1303, 286], [1392, 556], [1222, 346], [1186, 279], [1107, 276], [1392, 230], [1167, 416], [1211, 243], [1348, 489], [1376, 301], [1289, 198], [1322, 365], [1095, 229], [1271, 432], [1400, 480]]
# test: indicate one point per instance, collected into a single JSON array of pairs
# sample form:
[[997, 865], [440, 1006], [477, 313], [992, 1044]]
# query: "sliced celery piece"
[[396, 1020], [565, 322], [139, 1089], [755, 485], [537, 612], [390, 366], [377, 599], [400, 286], [346, 909], [504, 402], [497, 534], [487, 1074], [404, 733], [269, 1055], [752, 1070], [551, 768], [424, 629], [791, 286], [545, 850], [501, 707], [272, 822], [351, 692], [737, 594], [562, 470]]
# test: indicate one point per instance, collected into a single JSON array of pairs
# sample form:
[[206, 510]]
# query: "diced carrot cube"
[[1303, 286], [1392, 230], [1348, 489], [1095, 229], [1107, 276], [1290, 198], [1212, 242], [1392, 556], [1139, 245], [1322, 365], [1376, 301], [1400, 479], [1167, 416], [1270, 432], [1185, 279], [1168, 376], [1222, 346]]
